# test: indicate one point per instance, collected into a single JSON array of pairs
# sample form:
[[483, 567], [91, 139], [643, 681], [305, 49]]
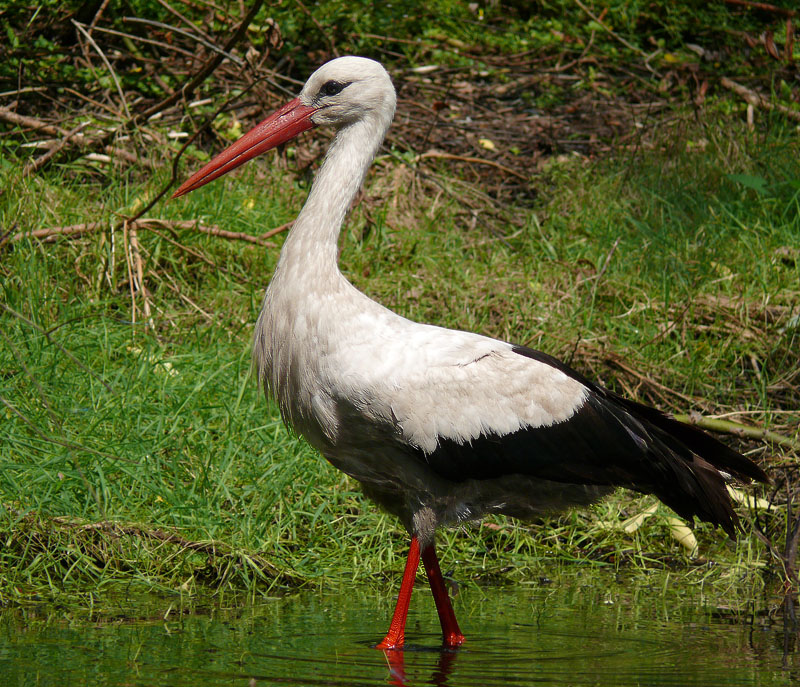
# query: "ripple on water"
[[523, 636]]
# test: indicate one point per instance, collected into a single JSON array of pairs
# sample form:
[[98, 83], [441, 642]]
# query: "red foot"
[[451, 633], [396, 636], [390, 644], [453, 640]]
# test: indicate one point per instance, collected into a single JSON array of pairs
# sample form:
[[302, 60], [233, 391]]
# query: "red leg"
[[397, 628], [447, 617]]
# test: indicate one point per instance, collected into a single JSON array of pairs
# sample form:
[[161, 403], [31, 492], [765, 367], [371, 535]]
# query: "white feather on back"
[[427, 381], [437, 383]]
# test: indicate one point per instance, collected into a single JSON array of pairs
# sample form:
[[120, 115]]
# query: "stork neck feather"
[[315, 233]]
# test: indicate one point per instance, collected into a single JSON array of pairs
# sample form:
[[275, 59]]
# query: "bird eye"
[[332, 88]]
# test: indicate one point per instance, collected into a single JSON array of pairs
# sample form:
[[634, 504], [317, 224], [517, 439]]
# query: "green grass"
[[39, 49], [142, 431]]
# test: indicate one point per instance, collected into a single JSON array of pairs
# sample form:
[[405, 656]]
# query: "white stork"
[[440, 426]]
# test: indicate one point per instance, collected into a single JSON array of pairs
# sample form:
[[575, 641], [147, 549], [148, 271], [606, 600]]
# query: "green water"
[[538, 634]]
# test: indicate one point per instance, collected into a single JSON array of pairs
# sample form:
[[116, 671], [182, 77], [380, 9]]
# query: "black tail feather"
[[681, 464], [699, 442], [688, 476]]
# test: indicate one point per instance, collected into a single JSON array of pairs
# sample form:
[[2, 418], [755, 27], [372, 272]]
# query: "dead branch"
[[737, 429], [97, 16], [276, 230], [75, 136], [32, 123], [33, 165], [184, 19], [146, 223], [148, 41], [136, 257], [51, 232], [756, 99], [127, 252], [213, 230], [184, 92], [765, 7], [103, 57], [472, 160], [187, 34]]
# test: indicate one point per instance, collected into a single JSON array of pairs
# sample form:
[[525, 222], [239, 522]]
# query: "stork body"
[[440, 426]]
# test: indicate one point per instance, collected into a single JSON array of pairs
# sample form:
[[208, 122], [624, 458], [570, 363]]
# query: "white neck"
[[312, 244], [307, 276]]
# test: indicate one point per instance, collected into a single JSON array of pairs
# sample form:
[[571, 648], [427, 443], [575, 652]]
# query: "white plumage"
[[439, 425]]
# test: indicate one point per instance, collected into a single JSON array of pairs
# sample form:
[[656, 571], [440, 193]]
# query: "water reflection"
[[565, 634], [396, 660], [790, 628]]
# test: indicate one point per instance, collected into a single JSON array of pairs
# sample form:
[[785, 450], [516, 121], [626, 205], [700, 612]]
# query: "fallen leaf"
[[682, 534], [634, 523], [769, 44], [747, 500]]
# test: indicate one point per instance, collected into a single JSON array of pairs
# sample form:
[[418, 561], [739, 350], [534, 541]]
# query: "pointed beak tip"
[[289, 121], [187, 187]]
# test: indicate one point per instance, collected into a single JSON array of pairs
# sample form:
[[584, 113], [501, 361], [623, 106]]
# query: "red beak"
[[291, 120]]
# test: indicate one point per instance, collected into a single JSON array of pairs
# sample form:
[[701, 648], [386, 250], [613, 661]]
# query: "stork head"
[[341, 92], [349, 89]]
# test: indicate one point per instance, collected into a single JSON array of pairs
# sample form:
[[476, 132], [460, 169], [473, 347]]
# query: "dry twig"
[[76, 137], [207, 43], [472, 160], [756, 99], [184, 92], [276, 230], [147, 223], [136, 257], [33, 165], [103, 57], [763, 6], [737, 429]]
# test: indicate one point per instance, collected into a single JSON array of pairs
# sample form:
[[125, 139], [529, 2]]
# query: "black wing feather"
[[609, 441]]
